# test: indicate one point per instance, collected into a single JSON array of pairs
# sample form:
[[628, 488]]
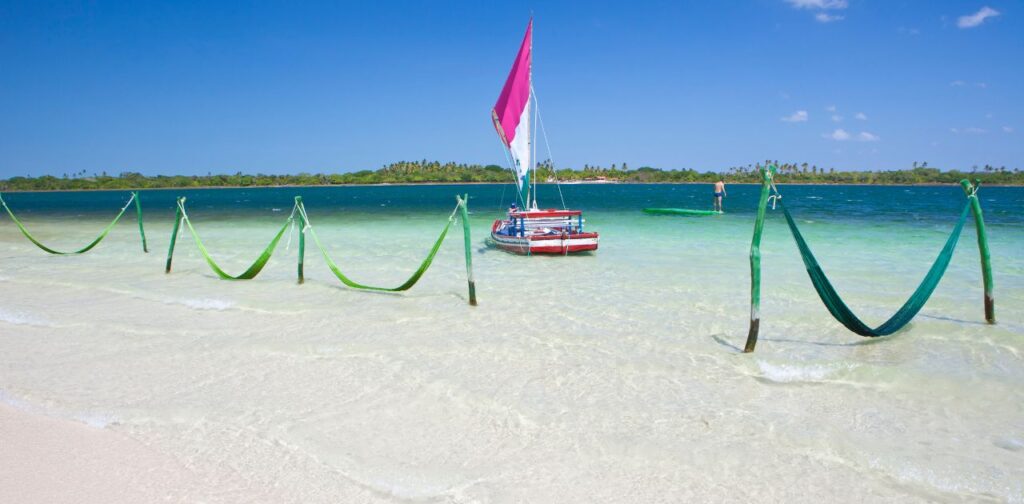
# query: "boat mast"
[[533, 125]]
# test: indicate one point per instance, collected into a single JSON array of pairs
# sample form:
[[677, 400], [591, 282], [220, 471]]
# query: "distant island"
[[434, 172]]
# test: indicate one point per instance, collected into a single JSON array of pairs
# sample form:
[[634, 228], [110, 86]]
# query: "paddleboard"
[[680, 211]]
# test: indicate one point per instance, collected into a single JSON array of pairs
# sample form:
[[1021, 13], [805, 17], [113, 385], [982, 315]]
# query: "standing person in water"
[[719, 194]]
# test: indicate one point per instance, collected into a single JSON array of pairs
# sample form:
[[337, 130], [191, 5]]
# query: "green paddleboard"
[[679, 211]]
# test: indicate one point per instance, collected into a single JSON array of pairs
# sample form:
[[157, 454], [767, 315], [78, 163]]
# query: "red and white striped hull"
[[561, 244]]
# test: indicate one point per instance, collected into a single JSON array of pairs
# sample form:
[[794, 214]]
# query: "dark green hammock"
[[902, 317]]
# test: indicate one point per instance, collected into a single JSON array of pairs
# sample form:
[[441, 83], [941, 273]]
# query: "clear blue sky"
[[283, 87]]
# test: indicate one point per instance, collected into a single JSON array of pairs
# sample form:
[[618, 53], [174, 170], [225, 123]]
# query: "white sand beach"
[[52, 460], [618, 382]]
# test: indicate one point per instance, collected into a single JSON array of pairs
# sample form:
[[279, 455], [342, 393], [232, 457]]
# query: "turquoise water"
[[601, 378], [1003, 205]]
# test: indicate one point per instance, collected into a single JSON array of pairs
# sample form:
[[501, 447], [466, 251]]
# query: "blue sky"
[[283, 87]]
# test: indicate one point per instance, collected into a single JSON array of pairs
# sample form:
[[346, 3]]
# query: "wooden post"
[[174, 232], [138, 211], [302, 236], [986, 257], [755, 260], [467, 240]]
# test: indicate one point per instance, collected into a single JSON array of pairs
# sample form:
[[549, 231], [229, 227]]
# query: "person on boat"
[[719, 194], [514, 208]]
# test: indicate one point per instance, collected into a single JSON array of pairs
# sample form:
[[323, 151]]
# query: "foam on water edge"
[[975, 485], [793, 373], [18, 317], [94, 420], [205, 303]]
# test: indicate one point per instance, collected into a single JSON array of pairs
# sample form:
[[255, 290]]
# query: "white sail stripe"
[[520, 146]]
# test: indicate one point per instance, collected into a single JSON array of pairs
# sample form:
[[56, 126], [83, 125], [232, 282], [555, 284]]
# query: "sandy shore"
[[598, 379], [49, 460]]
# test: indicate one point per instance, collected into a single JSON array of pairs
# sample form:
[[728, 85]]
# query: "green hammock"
[[103, 234], [299, 213], [411, 281], [256, 266], [902, 317]]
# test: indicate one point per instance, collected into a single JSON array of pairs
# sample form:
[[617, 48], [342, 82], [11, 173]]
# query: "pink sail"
[[511, 114], [515, 96]]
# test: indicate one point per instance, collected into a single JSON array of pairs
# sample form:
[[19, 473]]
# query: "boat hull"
[[551, 244]]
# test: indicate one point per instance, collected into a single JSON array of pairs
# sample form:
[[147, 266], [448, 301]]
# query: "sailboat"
[[528, 229]]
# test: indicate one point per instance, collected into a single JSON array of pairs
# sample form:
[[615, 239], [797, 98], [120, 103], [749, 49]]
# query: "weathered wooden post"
[[174, 232], [986, 257], [302, 236], [755, 260], [138, 211], [468, 242]]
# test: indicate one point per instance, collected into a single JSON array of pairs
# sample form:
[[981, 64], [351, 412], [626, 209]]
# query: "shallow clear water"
[[602, 378]]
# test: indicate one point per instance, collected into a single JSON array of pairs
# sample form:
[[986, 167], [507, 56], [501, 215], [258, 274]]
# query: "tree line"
[[418, 172]]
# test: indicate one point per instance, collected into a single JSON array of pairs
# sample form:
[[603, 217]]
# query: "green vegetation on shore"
[[420, 172]]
